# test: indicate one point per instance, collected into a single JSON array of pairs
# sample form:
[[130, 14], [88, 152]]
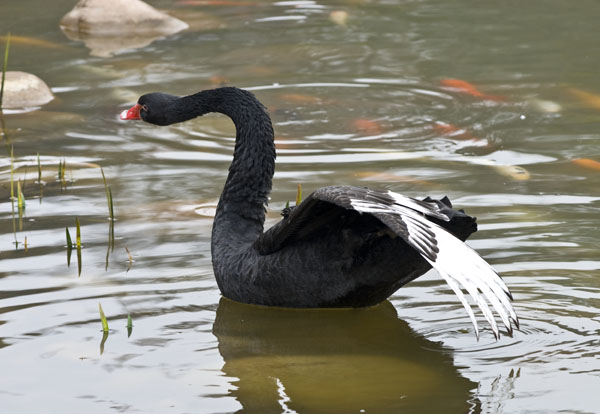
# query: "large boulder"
[[108, 26], [23, 90]]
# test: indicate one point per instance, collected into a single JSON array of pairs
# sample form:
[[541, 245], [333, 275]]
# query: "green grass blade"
[[69, 247], [12, 172], [110, 205], [79, 262], [130, 259], [299, 194], [40, 177], [107, 252], [108, 196], [63, 174], [4, 67], [69, 241], [78, 232], [111, 235], [129, 321], [103, 318], [20, 197], [104, 179], [111, 240]]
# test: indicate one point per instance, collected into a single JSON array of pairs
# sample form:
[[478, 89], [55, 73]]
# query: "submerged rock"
[[23, 90], [339, 17], [108, 26], [543, 105]]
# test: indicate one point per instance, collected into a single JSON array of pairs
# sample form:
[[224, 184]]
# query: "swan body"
[[343, 246]]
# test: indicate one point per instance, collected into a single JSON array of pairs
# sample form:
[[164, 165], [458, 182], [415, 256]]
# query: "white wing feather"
[[458, 264]]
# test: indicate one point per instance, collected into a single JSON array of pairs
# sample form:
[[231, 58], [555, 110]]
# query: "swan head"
[[155, 108]]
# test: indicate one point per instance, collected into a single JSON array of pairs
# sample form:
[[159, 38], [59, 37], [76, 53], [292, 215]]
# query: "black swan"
[[343, 246]]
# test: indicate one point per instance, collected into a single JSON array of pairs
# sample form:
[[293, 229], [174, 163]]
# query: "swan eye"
[[145, 108]]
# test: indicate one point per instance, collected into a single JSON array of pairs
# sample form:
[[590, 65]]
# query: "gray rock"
[[108, 26], [24, 90]]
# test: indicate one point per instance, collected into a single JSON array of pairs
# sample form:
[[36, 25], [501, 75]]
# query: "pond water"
[[359, 93]]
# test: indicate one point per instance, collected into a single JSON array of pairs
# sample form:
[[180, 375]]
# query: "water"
[[361, 103]]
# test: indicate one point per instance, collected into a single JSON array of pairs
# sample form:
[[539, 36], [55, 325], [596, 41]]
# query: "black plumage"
[[343, 246]]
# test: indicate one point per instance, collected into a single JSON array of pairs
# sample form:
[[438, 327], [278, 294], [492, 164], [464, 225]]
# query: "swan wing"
[[459, 265], [325, 205]]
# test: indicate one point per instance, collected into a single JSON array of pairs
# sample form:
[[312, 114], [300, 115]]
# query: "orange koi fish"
[[367, 126], [465, 87], [587, 163], [301, 99], [219, 80], [588, 99], [453, 131], [31, 41]]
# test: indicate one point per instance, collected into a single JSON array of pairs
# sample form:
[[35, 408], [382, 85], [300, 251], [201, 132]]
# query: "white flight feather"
[[461, 263], [458, 292], [457, 263]]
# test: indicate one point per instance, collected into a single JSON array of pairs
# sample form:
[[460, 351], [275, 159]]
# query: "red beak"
[[133, 113]]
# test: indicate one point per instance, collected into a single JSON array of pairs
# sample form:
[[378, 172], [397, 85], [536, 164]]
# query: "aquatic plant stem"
[[4, 67], [12, 170], [129, 325], [69, 247], [130, 259], [108, 196], [78, 243], [20, 197], [12, 195], [103, 318], [111, 214], [299, 194], [69, 241], [39, 165]]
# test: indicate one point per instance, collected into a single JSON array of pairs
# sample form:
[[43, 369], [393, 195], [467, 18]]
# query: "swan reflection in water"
[[335, 361]]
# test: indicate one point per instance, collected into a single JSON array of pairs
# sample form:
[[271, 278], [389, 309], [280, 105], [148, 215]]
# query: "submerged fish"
[[301, 98], [453, 131], [587, 163], [514, 172], [218, 80], [465, 87], [31, 41], [367, 126], [588, 99], [544, 105], [339, 17]]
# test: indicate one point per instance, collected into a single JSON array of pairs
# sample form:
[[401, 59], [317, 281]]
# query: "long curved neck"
[[241, 210]]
